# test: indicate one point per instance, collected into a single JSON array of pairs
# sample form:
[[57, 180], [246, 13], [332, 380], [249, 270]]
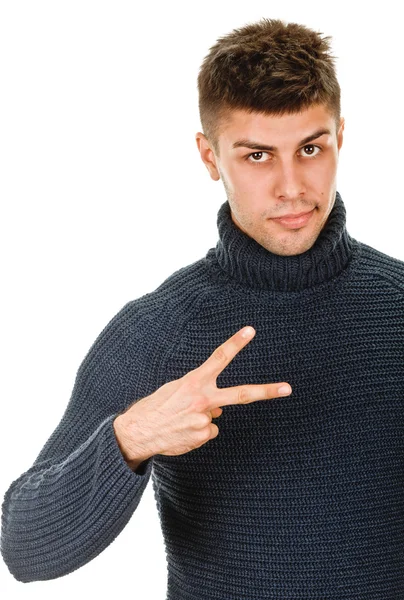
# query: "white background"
[[103, 196]]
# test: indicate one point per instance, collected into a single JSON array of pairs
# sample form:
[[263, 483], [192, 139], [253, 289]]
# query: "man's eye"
[[256, 157], [312, 146]]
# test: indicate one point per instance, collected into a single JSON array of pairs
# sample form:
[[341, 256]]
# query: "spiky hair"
[[272, 67]]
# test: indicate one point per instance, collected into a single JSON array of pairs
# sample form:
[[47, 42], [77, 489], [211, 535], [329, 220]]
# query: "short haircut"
[[271, 67]]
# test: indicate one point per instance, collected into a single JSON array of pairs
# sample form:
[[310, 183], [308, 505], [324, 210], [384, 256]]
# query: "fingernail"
[[247, 332], [284, 390]]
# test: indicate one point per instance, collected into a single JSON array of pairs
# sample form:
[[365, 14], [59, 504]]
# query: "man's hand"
[[176, 418]]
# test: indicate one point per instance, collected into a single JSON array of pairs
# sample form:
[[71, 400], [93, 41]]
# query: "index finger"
[[224, 354]]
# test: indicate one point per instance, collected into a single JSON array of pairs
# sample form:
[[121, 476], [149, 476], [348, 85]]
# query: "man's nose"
[[288, 180]]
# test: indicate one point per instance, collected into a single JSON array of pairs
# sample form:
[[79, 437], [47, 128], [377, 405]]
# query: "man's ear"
[[207, 155], [340, 135]]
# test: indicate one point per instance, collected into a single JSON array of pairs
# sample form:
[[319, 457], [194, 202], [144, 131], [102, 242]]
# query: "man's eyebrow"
[[245, 143]]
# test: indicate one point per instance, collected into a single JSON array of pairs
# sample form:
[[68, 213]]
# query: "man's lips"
[[294, 221]]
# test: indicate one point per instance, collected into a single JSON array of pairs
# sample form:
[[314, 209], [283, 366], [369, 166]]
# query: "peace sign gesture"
[[177, 417]]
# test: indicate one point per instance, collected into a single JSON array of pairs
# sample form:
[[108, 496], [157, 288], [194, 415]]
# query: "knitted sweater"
[[298, 497]]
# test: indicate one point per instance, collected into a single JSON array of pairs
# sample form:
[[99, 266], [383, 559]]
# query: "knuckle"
[[271, 391], [204, 435], [243, 395], [201, 421], [190, 387], [200, 404], [191, 380], [220, 355]]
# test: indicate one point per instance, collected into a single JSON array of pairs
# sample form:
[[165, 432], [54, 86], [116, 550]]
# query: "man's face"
[[274, 166]]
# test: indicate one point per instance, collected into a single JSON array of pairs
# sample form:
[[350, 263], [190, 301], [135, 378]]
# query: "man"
[[300, 496]]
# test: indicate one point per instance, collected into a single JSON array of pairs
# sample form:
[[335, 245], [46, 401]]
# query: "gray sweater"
[[297, 498]]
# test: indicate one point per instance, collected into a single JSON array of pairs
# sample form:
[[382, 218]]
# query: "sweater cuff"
[[61, 517]]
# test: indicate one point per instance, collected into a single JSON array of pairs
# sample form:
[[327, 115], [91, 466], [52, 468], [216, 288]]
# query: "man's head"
[[266, 92]]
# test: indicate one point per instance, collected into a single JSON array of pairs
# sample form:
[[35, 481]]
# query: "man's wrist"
[[132, 461]]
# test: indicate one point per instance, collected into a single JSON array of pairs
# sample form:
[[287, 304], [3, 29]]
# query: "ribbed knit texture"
[[297, 498]]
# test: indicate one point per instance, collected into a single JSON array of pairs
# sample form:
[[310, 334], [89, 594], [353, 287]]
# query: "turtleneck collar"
[[245, 260]]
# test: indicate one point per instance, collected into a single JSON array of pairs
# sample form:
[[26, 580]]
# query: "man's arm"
[[80, 492]]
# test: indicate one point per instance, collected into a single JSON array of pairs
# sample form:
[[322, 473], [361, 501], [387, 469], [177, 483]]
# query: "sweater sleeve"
[[79, 493]]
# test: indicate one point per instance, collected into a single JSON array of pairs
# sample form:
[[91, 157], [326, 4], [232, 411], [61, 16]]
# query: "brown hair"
[[272, 67]]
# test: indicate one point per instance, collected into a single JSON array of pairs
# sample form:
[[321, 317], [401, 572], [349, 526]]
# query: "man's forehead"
[[242, 128]]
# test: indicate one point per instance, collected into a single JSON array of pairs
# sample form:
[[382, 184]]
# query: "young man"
[[300, 496]]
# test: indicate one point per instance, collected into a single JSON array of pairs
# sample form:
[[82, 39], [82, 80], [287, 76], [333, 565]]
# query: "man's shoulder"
[[191, 278], [176, 297], [149, 323], [382, 265]]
